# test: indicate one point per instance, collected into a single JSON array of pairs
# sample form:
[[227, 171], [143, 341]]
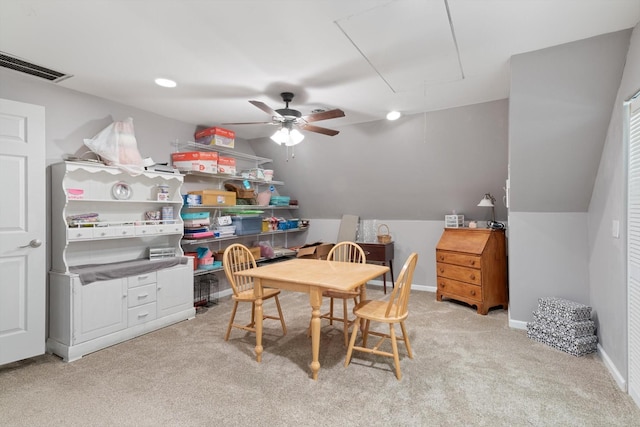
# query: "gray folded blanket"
[[89, 273]]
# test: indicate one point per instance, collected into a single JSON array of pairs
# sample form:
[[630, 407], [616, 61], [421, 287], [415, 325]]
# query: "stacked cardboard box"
[[216, 136], [564, 325], [200, 161]]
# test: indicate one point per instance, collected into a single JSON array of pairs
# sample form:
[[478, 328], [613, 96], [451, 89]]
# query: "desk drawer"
[[463, 274], [458, 259], [378, 252], [453, 288]]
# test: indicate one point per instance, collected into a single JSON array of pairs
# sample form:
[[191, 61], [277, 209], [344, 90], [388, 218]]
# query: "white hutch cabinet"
[[103, 286]]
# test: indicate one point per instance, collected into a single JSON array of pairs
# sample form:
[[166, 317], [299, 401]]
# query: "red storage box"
[[200, 161], [227, 165], [216, 136]]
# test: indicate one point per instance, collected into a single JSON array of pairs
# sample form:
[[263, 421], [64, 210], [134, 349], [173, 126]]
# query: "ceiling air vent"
[[16, 64]]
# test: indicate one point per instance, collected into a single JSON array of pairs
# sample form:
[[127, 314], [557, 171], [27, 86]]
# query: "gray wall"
[[607, 255], [417, 168], [560, 107]]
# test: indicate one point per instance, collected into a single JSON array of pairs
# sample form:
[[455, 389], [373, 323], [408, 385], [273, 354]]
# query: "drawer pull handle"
[[143, 277], [472, 277], [441, 257], [472, 263], [473, 293], [143, 296], [142, 315], [442, 270], [442, 285]]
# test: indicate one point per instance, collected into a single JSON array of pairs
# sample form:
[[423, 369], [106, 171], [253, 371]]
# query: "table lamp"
[[488, 201]]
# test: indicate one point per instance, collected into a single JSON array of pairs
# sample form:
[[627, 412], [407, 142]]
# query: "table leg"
[[257, 291], [384, 280], [315, 298], [363, 297], [393, 281]]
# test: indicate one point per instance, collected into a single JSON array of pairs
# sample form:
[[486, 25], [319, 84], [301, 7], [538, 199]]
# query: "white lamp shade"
[[281, 136], [487, 201], [287, 137], [295, 137]]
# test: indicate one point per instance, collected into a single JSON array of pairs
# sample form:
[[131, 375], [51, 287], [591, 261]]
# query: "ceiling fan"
[[290, 119]]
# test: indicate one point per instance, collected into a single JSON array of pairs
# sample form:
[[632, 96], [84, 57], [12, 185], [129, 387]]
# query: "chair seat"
[[248, 295], [375, 310]]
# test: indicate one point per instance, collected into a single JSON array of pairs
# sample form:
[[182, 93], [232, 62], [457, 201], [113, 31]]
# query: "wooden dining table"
[[311, 276]]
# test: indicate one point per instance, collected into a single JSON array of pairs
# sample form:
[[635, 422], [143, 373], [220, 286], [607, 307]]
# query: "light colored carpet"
[[468, 370]]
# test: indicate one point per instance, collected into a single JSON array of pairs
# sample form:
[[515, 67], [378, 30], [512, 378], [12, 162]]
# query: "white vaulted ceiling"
[[366, 57]]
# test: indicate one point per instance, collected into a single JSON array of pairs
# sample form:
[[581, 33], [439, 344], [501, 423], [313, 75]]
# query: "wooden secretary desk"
[[471, 266]]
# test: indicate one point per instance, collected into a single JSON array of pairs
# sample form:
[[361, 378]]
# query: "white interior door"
[[22, 231]]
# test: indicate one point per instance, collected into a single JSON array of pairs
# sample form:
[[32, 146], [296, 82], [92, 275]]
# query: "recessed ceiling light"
[[165, 83], [393, 115]]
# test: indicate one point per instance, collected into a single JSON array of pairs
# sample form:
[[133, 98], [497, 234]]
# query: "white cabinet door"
[[100, 308], [22, 231], [175, 290]]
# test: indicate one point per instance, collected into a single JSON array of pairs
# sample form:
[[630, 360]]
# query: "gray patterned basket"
[[564, 325], [559, 308]]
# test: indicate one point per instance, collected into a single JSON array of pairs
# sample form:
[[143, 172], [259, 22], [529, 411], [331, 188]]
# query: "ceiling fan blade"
[[318, 129], [251, 123], [264, 107], [325, 115]]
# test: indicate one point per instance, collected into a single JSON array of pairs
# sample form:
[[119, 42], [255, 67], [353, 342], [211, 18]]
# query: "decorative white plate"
[[121, 191]]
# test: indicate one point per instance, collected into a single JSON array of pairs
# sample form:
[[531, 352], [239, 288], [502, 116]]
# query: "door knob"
[[33, 244]]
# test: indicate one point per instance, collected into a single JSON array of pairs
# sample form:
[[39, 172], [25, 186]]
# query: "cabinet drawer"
[[141, 295], [458, 259], [455, 288], [457, 272], [170, 229], [141, 314], [79, 233], [103, 232], [142, 279], [146, 230], [124, 231]]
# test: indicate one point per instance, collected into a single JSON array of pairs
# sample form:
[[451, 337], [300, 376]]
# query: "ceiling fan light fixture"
[[393, 115], [295, 137], [287, 137]]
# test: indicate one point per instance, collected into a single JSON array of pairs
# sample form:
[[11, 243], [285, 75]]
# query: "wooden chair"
[[344, 252], [391, 312], [237, 257]]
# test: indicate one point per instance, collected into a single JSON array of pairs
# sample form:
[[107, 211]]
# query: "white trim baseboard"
[[617, 376]]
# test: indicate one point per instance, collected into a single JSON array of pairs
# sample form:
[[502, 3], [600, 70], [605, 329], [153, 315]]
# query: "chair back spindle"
[[238, 258], [347, 252], [398, 305]]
